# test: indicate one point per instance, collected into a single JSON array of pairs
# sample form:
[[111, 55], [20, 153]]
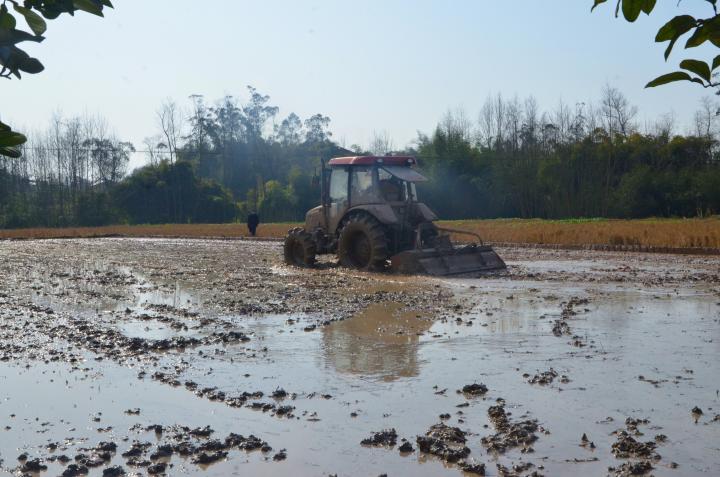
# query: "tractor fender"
[[382, 212], [314, 219], [427, 214]]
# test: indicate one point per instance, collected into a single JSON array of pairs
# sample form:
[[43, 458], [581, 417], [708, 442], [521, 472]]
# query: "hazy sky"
[[394, 65]]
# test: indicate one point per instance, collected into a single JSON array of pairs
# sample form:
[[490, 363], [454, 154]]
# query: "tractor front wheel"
[[363, 244], [299, 248]]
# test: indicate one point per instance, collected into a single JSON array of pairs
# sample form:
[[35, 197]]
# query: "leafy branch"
[[14, 60], [700, 30]]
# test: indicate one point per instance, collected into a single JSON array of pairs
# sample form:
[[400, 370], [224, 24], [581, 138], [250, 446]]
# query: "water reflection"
[[174, 296], [380, 342]]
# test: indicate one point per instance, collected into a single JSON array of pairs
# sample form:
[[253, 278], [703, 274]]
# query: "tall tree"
[[257, 112], [170, 121], [290, 131], [317, 129]]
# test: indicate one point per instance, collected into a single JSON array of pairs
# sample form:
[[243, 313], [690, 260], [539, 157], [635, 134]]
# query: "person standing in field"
[[253, 221]]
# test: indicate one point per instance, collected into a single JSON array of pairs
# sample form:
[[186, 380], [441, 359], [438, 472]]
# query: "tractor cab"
[[382, 186], [377, 183], [371, 180]]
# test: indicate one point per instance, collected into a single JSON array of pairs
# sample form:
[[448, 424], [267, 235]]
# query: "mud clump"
[[568, 309], [443, 450], [284, 411], [629, 469], [517, 470], [544, 378], [476, 389], [560, 327], [116, 471], [632, 423], [201, 432], [162, 452], [33, 465], [585, 442], [627, 447], [158, 468], [193, 444], [205, 458], [136, 449], [279, 393], [406, 447], [92, 460], [445, 442], [476, 468], [105, 447], [447, 433], [509, 434], [74, 470], [386, 438]]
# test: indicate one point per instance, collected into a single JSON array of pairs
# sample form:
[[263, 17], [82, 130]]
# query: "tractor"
[[370, 216]]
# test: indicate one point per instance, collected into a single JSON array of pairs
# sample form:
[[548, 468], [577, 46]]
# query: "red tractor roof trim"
[[371, 160]]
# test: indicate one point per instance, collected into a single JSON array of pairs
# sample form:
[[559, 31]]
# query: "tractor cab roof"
[[407, 161]]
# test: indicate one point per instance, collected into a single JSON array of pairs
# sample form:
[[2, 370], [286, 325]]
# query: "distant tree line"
[[211, 163], [217, 162], [590, 160]]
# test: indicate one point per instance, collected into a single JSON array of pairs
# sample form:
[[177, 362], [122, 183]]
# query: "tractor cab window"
[[361, 186], [391, 188], [339, 185]]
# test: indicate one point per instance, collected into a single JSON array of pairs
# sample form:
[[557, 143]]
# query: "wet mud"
[[172, 357]]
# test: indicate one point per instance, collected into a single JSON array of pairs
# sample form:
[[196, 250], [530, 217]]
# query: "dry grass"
[[166, 230], [656, 233]]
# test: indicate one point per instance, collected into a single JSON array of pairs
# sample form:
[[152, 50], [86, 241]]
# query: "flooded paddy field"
[[178, 357]]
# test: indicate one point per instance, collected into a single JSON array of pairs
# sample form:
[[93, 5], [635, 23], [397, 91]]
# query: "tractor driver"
[[391, 189]]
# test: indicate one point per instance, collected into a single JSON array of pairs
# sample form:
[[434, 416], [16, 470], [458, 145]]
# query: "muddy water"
[[642, 341]]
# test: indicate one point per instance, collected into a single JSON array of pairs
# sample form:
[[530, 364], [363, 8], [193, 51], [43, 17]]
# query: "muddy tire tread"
[[294, 236], [376, 235]]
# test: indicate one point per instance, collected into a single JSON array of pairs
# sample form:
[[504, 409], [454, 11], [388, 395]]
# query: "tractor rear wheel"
[[363, 244], [299, 248]]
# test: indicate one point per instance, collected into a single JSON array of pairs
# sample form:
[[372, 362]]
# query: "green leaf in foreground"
[[716, 62], [649, 6], [8, 140], [597, 2], [34, 21], [698, 67], [631, 9], [10, 152], [7, 21], [90, 6], [669, 78], [675, 28]]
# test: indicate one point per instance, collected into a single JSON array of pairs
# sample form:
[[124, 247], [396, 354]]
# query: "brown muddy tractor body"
[[371, 218]]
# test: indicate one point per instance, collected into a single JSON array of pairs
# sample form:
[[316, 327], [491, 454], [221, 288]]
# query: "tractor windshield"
[[400, 186], [362, 188]]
